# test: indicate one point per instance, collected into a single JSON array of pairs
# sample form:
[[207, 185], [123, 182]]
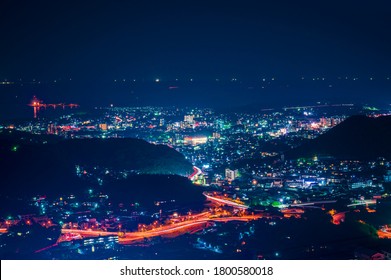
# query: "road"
[[224, 201], [182, 227], [312, 203], [384, 233], [363, 202], [196, 172], [166, 230]]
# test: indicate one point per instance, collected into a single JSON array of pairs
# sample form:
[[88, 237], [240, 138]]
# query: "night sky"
[[220, 54], [205, 39]]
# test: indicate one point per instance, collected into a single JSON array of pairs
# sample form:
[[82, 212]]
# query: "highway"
[[196, 172], [225, 201], [311, 203], [88, 233], [181, 227], [384, 232], [363, 202], [172, 229]]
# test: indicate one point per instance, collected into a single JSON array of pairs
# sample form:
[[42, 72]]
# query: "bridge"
[[225, 201], [38, 104]]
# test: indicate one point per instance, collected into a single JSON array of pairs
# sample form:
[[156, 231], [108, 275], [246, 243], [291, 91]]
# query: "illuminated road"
[[225, 201], [312, 203], [179, 228], [384, 232], [363, 202], [88, 233], [196, 172], [174, 229]]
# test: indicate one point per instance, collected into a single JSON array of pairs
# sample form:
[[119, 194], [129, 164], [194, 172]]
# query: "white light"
[[157, 80]]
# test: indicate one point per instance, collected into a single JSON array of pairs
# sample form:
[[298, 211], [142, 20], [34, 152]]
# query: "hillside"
[[29, 167], [358, 137]]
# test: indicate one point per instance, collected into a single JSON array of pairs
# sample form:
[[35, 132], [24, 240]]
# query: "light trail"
[[364, 202], [46, 248], [83, 232], [313, 203], [224, 201], [384, 234], [196, 172], [176, 229]]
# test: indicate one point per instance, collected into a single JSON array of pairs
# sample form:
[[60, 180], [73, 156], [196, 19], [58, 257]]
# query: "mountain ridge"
[[358, 137]]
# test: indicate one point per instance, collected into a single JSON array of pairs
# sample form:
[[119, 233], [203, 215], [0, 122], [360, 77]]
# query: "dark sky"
[[207, 39]]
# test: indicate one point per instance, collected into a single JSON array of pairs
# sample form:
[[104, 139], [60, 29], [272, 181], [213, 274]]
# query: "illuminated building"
[[52, 129], [189, 118], [188, 140], [103, 126], [231, 174]]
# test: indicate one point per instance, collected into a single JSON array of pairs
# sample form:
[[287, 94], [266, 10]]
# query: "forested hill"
[[358, 137], [33, 167]]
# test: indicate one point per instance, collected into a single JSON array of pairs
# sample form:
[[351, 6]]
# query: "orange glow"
[[199, 222]]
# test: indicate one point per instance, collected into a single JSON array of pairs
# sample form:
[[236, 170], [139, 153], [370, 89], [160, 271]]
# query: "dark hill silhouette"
[[147, 189], [127, 153], [49, 168], [358, 137]]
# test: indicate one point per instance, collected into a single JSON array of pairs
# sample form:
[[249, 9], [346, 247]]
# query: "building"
[[361, 184], [231, 175], [197, 140], [189, 118], [103, 126], [387, 177]]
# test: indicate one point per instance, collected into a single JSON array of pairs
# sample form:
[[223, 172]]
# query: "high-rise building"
[[189, 118], [231, 175]]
